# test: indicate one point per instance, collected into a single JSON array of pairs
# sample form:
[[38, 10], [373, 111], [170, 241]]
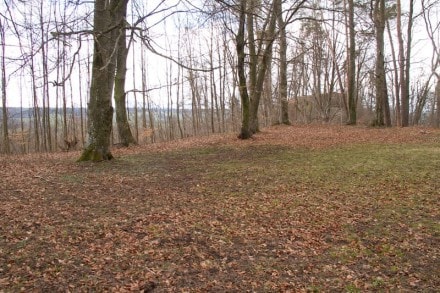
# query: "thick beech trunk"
[[100, 110]]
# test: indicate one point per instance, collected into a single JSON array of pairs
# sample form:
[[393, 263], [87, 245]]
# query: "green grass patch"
[[354, 218]]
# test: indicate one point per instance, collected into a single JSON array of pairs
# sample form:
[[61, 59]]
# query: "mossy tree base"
[[107, 18], [245, 134], [95, 155]]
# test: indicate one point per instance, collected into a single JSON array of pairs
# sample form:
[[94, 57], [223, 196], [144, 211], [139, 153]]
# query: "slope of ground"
[[301, 208]]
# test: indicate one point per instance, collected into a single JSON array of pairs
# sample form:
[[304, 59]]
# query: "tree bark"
[[269, 38], [6, 148], [124, 131], [351, 72], [404, 92], [100, 111], [245, 132], [382, 108], [283, 63], [408, 60], [253, 66], [437, 96]]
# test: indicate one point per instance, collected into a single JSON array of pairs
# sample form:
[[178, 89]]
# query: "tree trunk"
[[396, 77], [124, 131], [4, 120], [144, 86], [178, 95], [283, 63], [380, 80], [46, 139], [257, 90], [100, 112], [36, 109], [351, 78], [254, 101], [408, 53], [63, 90], [404, 61], [245, 132], [136, 113], [404, 92], [437, 96]]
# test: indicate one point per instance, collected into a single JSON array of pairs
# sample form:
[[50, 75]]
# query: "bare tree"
[[433, 31], [351, 72], [107, 21], [404, 59], [245, 132], [382, 107], [4, 119], [282, 91], [124, 131], [395, 79]]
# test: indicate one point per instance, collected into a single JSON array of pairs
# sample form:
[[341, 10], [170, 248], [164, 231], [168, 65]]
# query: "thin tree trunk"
[[144, 87], [222, 82], [124, 131], [351, 78], [283, 64], [45, 96], [73, 140], [404, 61], [396, 77], [63, 91], [169, 118], [36, 109], [437, 95], [6, 148], [134, 73], [254, 102], [179, 87], [245, 132], [81, 117], [195, 102], [408, 52], [23, 148]]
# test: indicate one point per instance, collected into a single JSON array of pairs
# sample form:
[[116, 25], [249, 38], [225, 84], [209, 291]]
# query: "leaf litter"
[[294, 209]]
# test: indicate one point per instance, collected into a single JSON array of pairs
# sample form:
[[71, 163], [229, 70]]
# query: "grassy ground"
[[313, 209]]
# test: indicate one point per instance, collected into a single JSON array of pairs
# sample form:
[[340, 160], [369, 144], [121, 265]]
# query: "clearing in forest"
[[299, 208]]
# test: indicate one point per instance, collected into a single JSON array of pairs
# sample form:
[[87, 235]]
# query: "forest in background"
[[344, 62]]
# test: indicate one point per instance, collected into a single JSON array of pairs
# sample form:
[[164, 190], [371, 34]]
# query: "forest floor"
[[295, 209]]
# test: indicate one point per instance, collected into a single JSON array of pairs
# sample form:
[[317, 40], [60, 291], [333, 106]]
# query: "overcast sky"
[[421, 53]]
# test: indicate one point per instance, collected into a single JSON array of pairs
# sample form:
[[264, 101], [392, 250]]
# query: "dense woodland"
[[92, 74]]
